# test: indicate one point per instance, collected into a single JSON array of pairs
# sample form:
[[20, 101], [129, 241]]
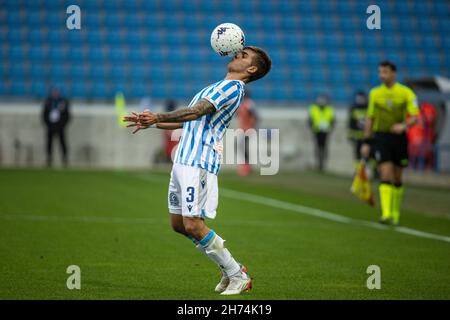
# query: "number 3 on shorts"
[[190, 191]]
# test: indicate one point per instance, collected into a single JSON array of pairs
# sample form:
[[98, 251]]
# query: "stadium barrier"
[[97, 141]]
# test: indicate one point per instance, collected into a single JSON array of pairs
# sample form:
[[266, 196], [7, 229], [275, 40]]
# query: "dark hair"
[[261, 61], [389, 64]]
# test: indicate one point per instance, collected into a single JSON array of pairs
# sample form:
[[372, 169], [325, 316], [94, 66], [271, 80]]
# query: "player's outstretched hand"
[[141, 120], [148, 118], [134, 119]]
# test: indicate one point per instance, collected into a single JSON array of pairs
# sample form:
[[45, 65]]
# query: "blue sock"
[[213, 245], [205, 241], [192, 239]]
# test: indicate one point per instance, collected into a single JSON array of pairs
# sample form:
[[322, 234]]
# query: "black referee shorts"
[[391, 147]]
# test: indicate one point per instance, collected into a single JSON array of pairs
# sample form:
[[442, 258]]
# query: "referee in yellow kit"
[[385, 131]]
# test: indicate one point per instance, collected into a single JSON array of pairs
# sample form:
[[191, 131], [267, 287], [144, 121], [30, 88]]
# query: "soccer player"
[[193, 190], [385, 129]]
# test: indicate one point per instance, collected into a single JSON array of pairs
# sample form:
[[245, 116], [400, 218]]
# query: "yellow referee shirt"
[[388, 106]]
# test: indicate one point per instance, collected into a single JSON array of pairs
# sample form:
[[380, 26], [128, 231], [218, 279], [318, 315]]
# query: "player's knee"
[[386, 175], [192, 228]]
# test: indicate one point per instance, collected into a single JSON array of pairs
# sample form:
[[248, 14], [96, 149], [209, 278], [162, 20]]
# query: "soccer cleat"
[[238, 284], [223, 284], [225, 281]]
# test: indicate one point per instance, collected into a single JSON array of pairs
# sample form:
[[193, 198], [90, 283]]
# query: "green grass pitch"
[[115, 227]]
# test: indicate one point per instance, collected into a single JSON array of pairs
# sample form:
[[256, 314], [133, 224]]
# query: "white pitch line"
[[243, 196], [279, 204]]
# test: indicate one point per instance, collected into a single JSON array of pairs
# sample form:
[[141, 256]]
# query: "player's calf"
[[176, 222], [178, 226], [213, 246]]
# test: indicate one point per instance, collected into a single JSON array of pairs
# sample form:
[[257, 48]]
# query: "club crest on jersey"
[[173, 199], [203, 183], [189, 207]]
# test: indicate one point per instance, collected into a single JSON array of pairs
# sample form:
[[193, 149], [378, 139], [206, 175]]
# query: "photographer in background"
[[56, 116]]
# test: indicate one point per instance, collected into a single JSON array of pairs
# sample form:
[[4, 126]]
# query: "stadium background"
[[161, 48], [155, 50]]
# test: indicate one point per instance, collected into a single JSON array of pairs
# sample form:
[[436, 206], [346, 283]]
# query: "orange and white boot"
[[239, 283]]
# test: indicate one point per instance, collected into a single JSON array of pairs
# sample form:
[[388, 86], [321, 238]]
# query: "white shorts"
[[193, 192]]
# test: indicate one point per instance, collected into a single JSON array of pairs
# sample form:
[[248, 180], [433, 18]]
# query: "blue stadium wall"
[[161, 48]]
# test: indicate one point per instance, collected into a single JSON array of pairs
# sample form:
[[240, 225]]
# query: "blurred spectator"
[[56, 115], [356, 120], [321, 121], [247, 118], [421, 138]]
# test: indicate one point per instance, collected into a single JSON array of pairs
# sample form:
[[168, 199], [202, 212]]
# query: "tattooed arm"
[[187, 114], [164, 119], [147, 118]]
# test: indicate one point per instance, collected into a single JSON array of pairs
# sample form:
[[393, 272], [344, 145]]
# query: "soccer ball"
[[227, 39]]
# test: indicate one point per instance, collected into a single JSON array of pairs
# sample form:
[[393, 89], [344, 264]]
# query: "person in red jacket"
[[421, 138]]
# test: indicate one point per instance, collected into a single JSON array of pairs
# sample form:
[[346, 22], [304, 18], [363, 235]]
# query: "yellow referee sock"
[[397, 197], [386, 192]]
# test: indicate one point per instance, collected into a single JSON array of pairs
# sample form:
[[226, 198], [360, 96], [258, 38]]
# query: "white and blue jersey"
[[201, 141]]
